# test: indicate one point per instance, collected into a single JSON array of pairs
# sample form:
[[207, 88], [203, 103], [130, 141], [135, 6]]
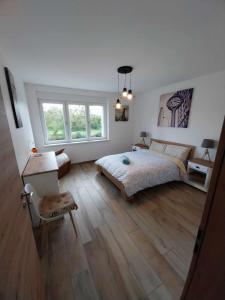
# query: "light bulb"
[[130, 95], [118, 104], [124, 93]]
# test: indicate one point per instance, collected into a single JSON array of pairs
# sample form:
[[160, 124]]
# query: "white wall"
[[120, 133], [206, 115], [22, 137]]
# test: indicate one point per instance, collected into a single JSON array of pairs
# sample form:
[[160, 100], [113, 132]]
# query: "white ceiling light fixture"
[[126, 70]]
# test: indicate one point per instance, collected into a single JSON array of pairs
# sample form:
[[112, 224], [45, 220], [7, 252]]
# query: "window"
[[73, 122], [54, 121], [78, 121], [96, 115]]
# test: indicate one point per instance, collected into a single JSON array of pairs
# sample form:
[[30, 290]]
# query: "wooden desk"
[[44, 163], [41, 172]]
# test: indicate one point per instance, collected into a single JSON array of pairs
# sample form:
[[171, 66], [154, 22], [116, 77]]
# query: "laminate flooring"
[[141, 250]]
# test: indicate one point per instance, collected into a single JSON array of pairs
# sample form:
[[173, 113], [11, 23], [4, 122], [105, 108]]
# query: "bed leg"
[[131, 199], [99, 169], [126, 197]]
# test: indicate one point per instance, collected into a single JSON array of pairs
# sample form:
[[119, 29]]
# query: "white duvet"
[[146, 169]]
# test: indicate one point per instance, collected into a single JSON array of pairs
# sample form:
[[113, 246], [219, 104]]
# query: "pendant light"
[[118, 103], [126, 70], [130, 94], [124, 93]]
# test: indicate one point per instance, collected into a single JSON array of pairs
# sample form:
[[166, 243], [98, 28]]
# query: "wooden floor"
[[124, 251]]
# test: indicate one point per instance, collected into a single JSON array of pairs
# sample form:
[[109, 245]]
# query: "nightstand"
[[137, 147], [199, 173]]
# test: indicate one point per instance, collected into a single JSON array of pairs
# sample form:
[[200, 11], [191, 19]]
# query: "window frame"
[[70, 139], [104, 136], [66, 117]]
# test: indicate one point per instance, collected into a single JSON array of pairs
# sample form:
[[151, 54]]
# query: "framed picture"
[[122, 114], [13, 98], [174, 108]]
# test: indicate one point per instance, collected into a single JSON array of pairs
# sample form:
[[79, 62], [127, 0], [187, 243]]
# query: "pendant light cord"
[[118, 85]]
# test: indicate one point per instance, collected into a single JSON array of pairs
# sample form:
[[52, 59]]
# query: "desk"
[[41, 172]]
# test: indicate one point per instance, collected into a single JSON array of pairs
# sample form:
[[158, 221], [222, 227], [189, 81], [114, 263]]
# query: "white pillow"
[[159, 147], [179, 152]]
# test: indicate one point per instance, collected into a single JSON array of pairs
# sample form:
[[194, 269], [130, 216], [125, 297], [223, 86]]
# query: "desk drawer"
[[198, 167]]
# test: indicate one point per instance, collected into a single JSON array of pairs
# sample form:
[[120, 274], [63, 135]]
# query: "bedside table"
[[137, 147], [199, 173]]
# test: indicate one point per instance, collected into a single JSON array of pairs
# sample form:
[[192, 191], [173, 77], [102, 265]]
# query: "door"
[[206, 278], [20, 275]]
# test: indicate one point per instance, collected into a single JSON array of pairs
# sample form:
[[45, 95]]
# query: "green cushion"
[[125, 160]]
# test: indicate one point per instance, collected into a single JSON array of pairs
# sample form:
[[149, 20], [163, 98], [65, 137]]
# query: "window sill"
[[75, 143]]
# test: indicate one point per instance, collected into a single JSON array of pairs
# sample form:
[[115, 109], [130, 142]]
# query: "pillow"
[[159, 147], [179, 152], [62, 159], [125, 160], [57, 152]]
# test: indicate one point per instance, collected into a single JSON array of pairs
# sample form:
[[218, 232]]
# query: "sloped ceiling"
[[80, 43]]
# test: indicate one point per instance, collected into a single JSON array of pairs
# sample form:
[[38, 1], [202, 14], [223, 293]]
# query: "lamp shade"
[[143, 134], [207, 143]]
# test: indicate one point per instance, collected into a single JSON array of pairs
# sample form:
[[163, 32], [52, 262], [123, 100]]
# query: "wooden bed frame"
[[119, 184], [192, 148]]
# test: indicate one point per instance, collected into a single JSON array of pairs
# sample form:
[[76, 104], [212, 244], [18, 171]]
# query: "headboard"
[[192, 148]]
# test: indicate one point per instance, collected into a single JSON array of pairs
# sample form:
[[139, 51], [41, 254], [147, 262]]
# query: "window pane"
[[96, 113], [78, 121], [54, 121]]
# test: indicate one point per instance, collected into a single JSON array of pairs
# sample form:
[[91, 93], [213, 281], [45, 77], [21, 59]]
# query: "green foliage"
[[55, 124], [77, 120], [95, 122], [79, 134]]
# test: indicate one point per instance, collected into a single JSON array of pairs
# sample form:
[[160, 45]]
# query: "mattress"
[[146, 169]]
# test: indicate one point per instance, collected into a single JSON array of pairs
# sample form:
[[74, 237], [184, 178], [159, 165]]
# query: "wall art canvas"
[[122, 114], [13, 98], [174, 108]]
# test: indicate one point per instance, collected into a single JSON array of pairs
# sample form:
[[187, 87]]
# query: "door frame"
[[210, 201]]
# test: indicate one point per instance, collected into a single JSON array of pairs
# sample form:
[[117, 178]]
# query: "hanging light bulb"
[[124, 93], [130, 95], [118, 104], [127, 91]]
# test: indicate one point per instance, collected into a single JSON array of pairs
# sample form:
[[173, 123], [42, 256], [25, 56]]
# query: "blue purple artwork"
[[175, 108]]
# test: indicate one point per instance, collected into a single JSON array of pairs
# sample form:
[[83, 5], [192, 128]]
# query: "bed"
[[146, 168]]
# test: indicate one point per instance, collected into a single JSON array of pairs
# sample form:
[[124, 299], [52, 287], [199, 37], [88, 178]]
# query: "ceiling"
[[80, 43]]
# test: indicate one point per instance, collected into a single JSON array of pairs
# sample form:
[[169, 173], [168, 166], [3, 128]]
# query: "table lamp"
[[207, 144], [143, 134]]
